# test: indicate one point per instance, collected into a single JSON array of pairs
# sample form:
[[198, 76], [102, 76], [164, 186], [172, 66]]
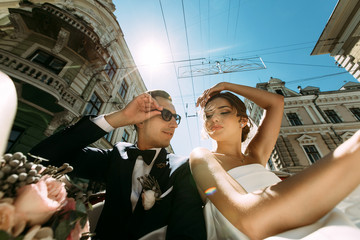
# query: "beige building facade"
[[67, 59], [314, 122], [341, 37]]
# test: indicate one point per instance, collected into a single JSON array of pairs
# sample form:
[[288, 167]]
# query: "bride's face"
[[221, 121]]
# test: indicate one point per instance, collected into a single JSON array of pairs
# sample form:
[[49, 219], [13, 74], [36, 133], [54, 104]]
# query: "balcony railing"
[[76, 24], [41, 78]]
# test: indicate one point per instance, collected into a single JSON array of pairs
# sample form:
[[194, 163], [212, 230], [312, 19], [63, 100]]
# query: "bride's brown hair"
[[238, 105]]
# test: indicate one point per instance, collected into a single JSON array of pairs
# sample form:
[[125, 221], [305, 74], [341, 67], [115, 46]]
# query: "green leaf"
[[63, 230], [81, 214], [4, 235], [73, 216], [55, 223], [83, 221], [80, 206]]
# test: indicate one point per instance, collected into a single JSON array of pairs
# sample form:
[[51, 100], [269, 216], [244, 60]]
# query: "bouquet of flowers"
[[36, 203]]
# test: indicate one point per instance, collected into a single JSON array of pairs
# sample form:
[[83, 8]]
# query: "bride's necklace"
[[236, 158]]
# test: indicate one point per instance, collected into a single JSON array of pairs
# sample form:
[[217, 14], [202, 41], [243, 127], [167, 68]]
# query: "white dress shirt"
[[140, 167]]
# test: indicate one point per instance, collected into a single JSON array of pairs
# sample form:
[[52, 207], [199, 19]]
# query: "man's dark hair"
[[158, 93]]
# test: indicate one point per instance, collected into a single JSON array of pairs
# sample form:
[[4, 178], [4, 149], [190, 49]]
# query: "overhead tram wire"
[[201, 39], [302, 64], [177, 79], [209, 34], [162, 63], [188, 49], [237, 19], [271, 48], [228, 21], [138, 66], [227, 31], [283, 46], [317, 77], [201, 31]]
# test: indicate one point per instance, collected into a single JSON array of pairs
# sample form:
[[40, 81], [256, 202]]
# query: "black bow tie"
[[147, 155]]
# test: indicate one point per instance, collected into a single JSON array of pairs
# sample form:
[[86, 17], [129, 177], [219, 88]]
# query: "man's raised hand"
[[138, 110], [146, 106]]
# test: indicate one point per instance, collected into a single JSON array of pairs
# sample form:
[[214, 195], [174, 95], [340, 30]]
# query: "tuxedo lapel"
[[126, 169], [161, 170]]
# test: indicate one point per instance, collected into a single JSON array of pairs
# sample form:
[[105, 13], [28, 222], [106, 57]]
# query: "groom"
[[176, 214]]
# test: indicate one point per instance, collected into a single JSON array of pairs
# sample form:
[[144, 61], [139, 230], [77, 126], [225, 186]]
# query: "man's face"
[[156, 132]]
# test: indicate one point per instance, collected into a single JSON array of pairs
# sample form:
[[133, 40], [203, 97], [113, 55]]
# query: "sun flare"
[[152, 54]]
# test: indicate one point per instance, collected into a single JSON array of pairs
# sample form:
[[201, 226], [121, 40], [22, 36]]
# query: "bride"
[[243, 199]]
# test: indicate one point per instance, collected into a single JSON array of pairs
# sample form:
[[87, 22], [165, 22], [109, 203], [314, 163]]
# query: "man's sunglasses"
[[167, 115]]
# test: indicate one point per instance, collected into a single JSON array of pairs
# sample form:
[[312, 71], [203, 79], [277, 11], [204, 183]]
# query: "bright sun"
[[152, 54]]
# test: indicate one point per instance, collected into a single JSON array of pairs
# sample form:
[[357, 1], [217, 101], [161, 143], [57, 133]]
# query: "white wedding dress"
[[334, 225]]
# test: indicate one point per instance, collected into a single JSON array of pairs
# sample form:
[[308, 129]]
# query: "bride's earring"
[[242, 125]]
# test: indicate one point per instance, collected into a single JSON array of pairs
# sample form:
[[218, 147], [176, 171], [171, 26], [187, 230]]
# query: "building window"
[[271, 164], [294, 119], [14, 137], [356, 112], [108, 136], [123, 89], [48, 61], [334, 118], [125, 136], [93, 106], [279, 91], [312, 153], [110, 68]]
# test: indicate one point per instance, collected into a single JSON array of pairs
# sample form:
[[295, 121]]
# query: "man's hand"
[[138, 110]]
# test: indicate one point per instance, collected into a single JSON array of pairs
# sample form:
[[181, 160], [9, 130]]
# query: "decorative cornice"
[[319, 128], [333, 97]]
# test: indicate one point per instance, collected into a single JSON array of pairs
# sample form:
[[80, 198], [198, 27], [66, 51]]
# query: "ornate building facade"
[[314, 122], [341, 37], [67, 59]]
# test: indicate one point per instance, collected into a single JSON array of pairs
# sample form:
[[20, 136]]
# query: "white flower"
[[148, 199], [151, 191]]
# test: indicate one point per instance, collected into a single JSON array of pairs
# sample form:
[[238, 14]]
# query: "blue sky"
[[175, 33]]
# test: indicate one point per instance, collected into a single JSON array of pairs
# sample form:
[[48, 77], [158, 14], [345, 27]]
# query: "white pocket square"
[[167, 192]]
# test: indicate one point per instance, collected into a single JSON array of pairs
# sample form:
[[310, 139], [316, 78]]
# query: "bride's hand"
[[208, 93]]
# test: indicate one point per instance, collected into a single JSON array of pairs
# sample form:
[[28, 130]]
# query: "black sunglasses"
[[167, 115]]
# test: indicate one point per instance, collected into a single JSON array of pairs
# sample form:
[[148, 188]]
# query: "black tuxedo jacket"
[[181, 209]]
